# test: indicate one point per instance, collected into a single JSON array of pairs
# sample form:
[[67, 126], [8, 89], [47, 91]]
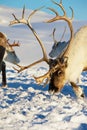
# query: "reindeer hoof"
[[82, 95], [4, 86]]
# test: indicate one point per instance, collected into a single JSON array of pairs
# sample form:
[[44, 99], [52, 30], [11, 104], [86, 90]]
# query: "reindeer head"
[[57, 78], [3, 39], [10, 54], [57, 67]]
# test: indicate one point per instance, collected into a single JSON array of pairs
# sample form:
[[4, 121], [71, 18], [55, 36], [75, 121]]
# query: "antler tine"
[[21, 68], [8, 41], [27, 22], [54, 36], [60, 5], [63, 34], [23, 12], [64, 17], [38, 39], [72, 13], [18, 70], [55, 41], [22, 20], [46, 76], [60, 1], [34, 12], [40, 79], [15, 44], [51, 9]]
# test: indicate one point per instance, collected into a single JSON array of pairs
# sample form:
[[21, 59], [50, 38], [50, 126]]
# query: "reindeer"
[[7, 53], [70, 64], [58, 46], [10, 55]]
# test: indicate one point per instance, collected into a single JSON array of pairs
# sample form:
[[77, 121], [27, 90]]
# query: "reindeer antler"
[[13, 44], [64, 17], [53, 34], [44, 58]]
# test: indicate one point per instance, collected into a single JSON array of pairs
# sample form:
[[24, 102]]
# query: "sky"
[[79, 6]]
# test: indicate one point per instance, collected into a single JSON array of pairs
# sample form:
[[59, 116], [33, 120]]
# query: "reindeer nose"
[[53, 90]]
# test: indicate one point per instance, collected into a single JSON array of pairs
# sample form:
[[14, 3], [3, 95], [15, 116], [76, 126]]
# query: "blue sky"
[[79, 6]]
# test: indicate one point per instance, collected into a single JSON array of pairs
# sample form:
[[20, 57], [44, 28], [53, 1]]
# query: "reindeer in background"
[[7, 53], [70, 64], [58, 46]]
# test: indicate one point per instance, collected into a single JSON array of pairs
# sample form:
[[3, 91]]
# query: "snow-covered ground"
[[24, 105]]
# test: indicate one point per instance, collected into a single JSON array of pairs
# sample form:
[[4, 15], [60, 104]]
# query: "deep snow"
[[24, 105]]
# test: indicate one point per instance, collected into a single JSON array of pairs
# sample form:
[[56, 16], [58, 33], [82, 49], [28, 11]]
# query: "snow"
[[24, 105]]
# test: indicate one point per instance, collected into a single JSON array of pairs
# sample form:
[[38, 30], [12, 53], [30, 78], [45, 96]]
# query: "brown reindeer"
[[7, 53], [70, 64]]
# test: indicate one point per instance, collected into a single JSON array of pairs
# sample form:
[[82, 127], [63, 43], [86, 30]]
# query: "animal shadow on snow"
[[24, 81], [82, 126]]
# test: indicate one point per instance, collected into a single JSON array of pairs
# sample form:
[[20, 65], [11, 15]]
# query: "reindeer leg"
[[85, 69], [78, 91], [2, 52], [3, 68]]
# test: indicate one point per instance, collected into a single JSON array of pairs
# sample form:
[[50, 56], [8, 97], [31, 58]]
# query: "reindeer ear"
[[64, 61]]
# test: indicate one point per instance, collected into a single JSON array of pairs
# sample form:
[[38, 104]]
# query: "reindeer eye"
[[59, 72]]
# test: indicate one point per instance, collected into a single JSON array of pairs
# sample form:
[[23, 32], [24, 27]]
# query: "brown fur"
[[77, 89], [3, 40], [55, 84]]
